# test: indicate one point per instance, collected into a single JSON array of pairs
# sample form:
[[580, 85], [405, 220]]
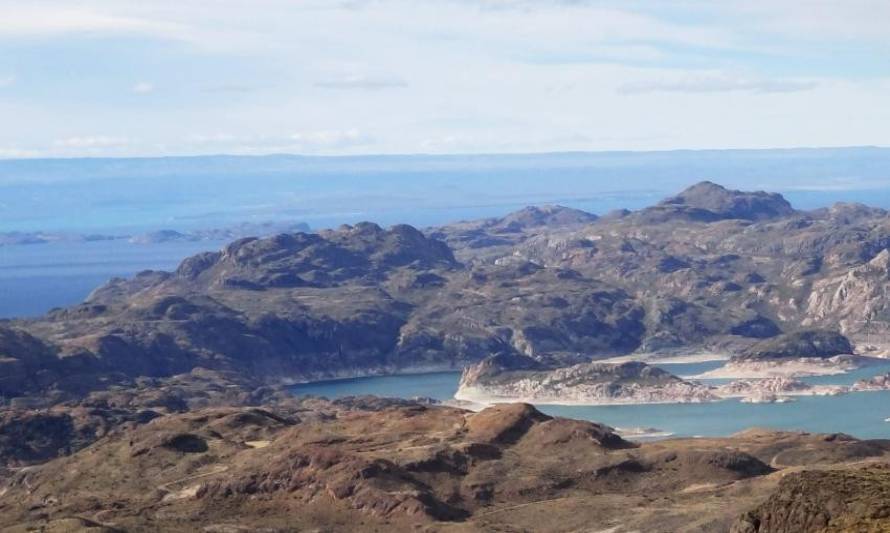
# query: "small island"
[[509, 377], [802, 353]]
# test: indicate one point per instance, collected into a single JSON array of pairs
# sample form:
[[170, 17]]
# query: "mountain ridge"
[[552, 283]]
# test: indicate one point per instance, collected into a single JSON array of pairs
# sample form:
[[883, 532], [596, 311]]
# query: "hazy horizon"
[[143, 194], [382, 155]]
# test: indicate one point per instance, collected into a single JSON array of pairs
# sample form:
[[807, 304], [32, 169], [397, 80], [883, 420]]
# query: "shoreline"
[[488, 400], [794, 368], [649, 358], [479, 402], [377, 373], [665, 359]]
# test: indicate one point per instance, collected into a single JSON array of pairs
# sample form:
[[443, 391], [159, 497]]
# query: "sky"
[[152, 78]]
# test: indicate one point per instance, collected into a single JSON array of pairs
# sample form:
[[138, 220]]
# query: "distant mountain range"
[[14, 238], [134, 195]]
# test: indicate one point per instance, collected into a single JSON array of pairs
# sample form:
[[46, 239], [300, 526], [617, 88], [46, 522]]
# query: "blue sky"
[[128, 77]]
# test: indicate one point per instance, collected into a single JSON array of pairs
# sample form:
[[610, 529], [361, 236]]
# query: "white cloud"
[[305, 142], [230, 88], [213, 138], [449, 75], [9, 152], [331, 139], [143, 87], [89, 142], [717, 84], [6, 81], [819, 20], [359, 82], [48, 18]]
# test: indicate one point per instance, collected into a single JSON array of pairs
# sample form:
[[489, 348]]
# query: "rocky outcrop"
[[550, 216], [809, 343], [758, 327], [30, 437], [721, 203], [775, 389], [816, 501], [508, 378], [26, 363], [881, 382], [363, 253], [856, 298], [511, 229], [748, 387], [790, 367]]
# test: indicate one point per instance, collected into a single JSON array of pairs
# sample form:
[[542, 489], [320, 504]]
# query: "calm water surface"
[[36, 278], [860, 414]]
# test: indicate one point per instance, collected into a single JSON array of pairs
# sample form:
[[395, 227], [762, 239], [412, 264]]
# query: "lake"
[[860, 414]]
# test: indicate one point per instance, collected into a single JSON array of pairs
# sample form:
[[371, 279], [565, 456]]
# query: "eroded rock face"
[[854, 297], [846, 500]]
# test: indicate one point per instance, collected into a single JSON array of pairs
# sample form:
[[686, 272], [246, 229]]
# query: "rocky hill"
[[709, 268], [385, 465], [804, 343], [836, 500], [709, 201]]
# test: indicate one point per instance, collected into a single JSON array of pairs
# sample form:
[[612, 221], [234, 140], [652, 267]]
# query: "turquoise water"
[[860, 414], [438, 385], [851, 377]]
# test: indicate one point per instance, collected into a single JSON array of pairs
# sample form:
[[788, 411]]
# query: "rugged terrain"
[[158, 404], [365, 464], [707, 269], [805, 343]]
